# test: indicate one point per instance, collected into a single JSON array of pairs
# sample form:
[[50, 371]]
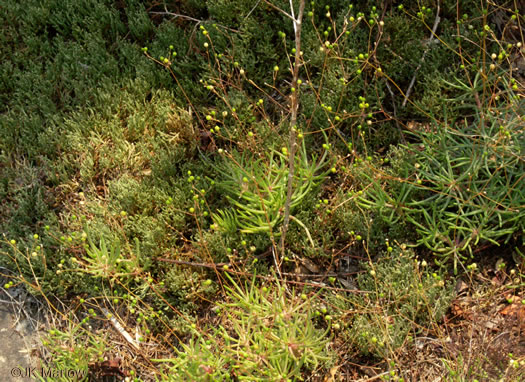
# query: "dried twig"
[[395, 111], [185, 17], [434, 28], [279, 9], [220, 265], [176, 15], [120, 329], [253, 9], [227, 269]]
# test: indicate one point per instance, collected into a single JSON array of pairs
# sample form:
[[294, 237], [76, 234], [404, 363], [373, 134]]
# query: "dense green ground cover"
[[135, 133]]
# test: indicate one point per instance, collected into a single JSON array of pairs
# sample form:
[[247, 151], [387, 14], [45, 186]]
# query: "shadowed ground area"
[[19, 342], [16, 339]]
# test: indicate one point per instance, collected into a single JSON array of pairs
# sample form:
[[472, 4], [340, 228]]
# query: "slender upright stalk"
[[294, 107]]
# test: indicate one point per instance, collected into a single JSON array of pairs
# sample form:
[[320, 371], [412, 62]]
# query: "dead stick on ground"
[[120, 329], [412, 82], [218, 266], [269, 278]]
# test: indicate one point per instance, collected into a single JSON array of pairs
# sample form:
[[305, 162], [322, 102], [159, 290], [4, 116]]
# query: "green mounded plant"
[[458, 370], [71, 352], [263, 333], [474, 368], [108, 262], [187, 289], [403, 297], [256, 189], [460, 185]]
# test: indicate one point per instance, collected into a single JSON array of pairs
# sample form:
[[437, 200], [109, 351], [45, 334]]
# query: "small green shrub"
[[187, 289], [403, 298], [262, 334], [71, 351], [256, 190], [460, 186], [107, 262]]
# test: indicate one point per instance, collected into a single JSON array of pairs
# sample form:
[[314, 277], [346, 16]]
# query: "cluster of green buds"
[[373, 15], [423, 12], [363, 104]]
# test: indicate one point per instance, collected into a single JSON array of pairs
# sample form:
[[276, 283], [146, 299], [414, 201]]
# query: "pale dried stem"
[[294, 107], [412, 82]]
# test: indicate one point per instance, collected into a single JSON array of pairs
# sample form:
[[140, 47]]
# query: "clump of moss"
[[402, 297]]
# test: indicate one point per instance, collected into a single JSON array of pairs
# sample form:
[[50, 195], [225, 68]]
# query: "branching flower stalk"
[[294, 107]]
